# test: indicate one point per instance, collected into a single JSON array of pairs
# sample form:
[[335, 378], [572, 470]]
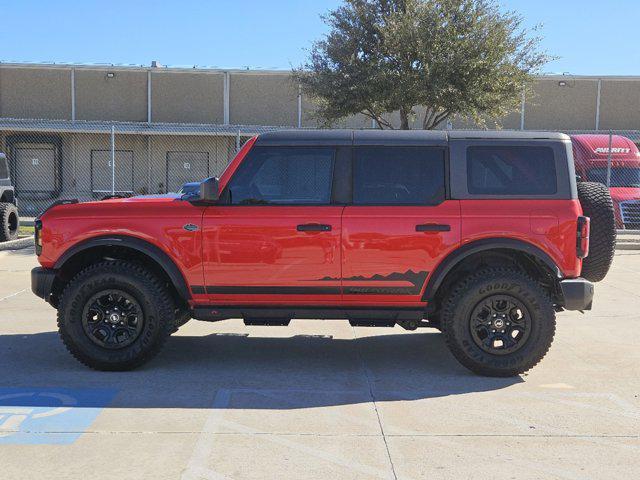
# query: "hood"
[[141, 198], [594, 149], [145, 205]]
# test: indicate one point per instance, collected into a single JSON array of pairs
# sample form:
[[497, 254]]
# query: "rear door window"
[[511, 170], [398, 176], [284, 176]]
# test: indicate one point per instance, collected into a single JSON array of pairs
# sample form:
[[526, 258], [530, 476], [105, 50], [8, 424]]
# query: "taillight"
[[37, 228], [582, 237]]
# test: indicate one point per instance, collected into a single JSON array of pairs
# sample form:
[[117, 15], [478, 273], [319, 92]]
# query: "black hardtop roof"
[[396, 137]]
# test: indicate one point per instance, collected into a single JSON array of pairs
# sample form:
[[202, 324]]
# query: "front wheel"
[[498, 322], [115, 315]]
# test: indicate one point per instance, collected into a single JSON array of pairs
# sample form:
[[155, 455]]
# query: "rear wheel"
[[498, 322], [9, 222], [597, 205], [115, 315]]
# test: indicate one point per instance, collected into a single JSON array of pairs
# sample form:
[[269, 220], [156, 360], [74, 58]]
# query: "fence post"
[[598, 99], [609, 158], [113, 160], [238, 141], [299, 106], [523, 104]]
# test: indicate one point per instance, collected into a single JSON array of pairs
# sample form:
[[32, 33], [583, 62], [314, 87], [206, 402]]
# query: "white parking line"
[[198, 467], [12, 295]]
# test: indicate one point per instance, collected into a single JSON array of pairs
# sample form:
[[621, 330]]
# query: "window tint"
[[398, 175], [284, 175], [511, 171], [4, 171]]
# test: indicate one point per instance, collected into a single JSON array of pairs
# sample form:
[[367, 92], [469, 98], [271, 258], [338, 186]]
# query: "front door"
[[276, 235], [400, 224]]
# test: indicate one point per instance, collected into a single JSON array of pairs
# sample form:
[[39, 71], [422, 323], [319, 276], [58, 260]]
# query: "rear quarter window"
[[511, 170]]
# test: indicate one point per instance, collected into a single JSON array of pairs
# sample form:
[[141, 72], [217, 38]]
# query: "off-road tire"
[[470, 292], [9, 222], [135, 280], [597, 205]]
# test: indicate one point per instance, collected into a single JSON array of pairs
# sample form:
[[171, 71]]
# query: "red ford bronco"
[[482, 235]]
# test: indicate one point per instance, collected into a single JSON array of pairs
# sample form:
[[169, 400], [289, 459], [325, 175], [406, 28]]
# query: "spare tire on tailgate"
[[597, 205]]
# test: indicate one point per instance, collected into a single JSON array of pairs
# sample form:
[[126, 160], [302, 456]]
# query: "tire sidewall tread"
[[5, 211], [152, 295], [469, 292], [597, 204]]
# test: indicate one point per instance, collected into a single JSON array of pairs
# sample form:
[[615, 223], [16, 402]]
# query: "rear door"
[[400, 223], [275, 237]]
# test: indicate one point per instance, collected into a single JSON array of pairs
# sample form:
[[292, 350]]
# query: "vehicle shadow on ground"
[[256, 372]]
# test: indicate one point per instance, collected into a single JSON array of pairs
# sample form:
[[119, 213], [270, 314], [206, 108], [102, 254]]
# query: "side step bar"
[[281, 316]]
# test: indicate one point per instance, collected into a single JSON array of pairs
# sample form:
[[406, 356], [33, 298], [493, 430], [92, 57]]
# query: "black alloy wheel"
[[500, 324], [112, 319]]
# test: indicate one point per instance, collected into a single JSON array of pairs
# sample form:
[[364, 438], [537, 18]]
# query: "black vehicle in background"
[[9, 220], [191, 188]]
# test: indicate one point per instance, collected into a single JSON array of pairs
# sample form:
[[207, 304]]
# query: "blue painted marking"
[[49, 415]]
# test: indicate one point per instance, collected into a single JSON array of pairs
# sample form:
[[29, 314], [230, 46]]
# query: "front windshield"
[[620, 176]]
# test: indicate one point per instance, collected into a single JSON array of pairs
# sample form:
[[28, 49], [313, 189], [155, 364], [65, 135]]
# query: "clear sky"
[[592, 37]]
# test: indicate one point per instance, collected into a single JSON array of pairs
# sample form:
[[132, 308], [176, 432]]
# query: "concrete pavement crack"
[[375, 405]]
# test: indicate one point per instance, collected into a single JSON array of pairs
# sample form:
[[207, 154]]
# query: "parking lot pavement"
[[320, 400]]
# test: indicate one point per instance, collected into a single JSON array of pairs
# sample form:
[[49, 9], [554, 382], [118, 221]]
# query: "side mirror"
[[209, 190]]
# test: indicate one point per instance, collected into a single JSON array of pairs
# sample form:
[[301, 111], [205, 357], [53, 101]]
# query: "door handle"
[[433, 227], [313, 227]]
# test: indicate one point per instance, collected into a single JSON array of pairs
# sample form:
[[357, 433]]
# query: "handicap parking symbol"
[[49, 415]]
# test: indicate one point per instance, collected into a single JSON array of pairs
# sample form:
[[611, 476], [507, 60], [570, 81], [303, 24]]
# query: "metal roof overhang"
[[131, 128]]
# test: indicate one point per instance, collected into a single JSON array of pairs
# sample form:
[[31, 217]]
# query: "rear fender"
[[454, 258]]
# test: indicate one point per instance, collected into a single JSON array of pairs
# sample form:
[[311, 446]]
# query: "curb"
[[628, 246], [17, 244]]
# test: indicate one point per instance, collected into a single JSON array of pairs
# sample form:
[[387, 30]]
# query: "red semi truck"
[[591, 156]]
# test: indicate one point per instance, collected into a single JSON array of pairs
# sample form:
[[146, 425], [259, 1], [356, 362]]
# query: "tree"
[[448, 57]]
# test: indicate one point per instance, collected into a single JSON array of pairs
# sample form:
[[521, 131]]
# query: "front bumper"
[[577, 294], [42, 282]]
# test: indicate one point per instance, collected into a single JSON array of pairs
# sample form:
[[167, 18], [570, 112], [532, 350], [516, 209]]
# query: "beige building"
[[172, 125]]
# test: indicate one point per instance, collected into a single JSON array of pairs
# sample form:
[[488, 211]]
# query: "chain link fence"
[[91, 161], [613, 159]]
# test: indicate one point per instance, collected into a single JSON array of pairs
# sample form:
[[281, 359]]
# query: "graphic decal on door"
[[393, 284], [383, 283]]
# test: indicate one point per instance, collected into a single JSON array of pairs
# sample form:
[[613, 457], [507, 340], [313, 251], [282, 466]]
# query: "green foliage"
[[441, 58]]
